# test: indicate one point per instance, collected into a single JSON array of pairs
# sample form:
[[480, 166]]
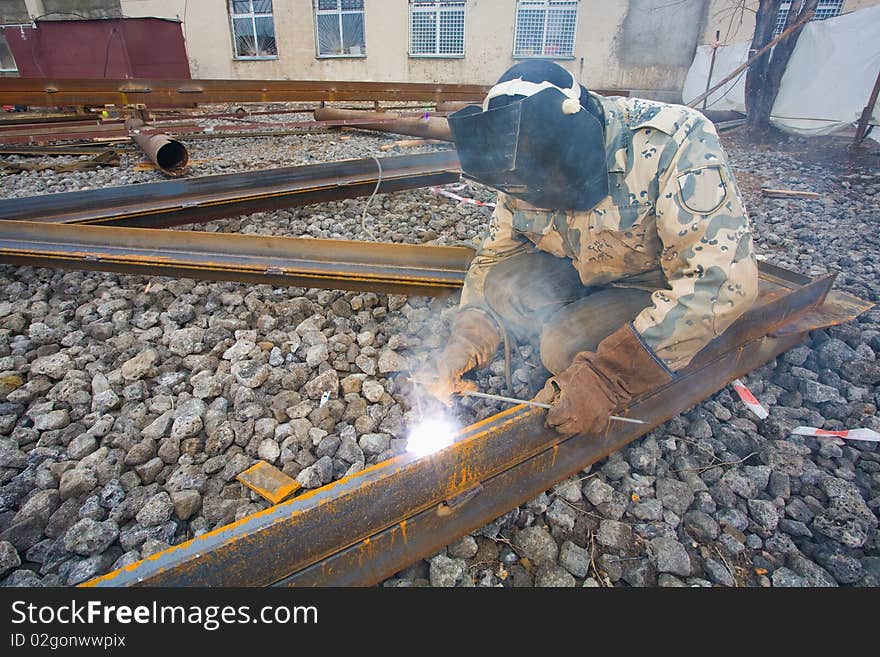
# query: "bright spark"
[[430, 436]]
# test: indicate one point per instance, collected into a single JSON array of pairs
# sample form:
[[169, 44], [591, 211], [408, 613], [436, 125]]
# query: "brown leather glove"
[[596, 383], [472, 343]]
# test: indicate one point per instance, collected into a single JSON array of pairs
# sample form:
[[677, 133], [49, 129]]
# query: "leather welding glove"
[[583, 396], [472, 344]]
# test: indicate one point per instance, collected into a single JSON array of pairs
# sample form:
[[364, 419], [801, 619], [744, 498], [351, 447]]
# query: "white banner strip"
[[462, 199], [851, 434]]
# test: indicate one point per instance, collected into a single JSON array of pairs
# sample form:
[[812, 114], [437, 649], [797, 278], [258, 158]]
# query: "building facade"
[[641, 45]]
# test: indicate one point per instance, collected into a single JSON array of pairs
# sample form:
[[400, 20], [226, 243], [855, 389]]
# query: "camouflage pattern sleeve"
[[500, 242], [707, 254]]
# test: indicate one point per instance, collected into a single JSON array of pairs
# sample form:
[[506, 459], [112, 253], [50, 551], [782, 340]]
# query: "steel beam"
[[172, 203], [365, 527], [50, 92], [430, 127], [282, 261]]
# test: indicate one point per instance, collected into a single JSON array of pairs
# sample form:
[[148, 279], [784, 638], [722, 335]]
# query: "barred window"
[[825, 9], [436, 28], [7, 61], [339, 28], [545, 28], [253, 29]]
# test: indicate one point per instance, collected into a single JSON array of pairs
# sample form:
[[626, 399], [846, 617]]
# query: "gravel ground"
[[129, 404]]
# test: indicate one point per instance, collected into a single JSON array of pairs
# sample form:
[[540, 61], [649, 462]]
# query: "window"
[[253, 29], [339, 27], [7, 62], [545, 28], [825, 9], [436, 28]]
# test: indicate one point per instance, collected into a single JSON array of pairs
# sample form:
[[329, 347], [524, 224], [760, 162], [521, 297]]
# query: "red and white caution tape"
[[852, 434], [461, 199], [749, 399]]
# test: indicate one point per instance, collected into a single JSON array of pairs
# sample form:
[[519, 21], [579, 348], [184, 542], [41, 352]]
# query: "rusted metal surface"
[[429, 127], [166, 153], [57, 92], [268, 482], [283, 261], [206, 198], [365, 527]]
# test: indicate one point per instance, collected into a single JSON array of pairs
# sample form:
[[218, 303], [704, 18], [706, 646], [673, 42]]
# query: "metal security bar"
[[545, 28], [339, 28], [825, 9], [436, 28], [253, 29]]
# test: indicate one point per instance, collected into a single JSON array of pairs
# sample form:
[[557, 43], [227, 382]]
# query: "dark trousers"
[[542, 301]]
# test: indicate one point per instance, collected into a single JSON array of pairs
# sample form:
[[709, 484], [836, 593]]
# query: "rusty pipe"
[[432, 127], [166, 153]]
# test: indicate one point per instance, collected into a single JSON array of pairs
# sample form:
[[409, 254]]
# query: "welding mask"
[[545, 149]]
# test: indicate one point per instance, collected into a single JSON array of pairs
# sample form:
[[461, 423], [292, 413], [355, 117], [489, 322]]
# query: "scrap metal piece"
[[428, 127], [269, 482], [166, 153]]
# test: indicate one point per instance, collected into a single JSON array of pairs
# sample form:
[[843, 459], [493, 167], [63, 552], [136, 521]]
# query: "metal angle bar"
[[51, 92], [312, 534], [283, 261], [162, 204]]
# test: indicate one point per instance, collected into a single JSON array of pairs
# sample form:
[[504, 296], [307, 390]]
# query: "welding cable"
[[370, 200]]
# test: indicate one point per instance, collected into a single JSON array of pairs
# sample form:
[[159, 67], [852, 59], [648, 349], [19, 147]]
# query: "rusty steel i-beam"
[[50, 92], [193, 200]]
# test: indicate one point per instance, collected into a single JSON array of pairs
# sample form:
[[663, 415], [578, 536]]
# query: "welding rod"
[[528, 402]]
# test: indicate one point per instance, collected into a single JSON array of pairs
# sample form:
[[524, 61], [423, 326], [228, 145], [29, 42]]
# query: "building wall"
[[616, 46], [738, 26], [13, 11]]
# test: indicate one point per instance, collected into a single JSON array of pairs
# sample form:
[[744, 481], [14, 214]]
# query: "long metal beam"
[[340, 535], [172, 203], [282, 261], [52, 92]]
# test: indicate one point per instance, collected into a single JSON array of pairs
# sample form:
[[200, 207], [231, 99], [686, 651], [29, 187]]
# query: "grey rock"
[[785, 577], [23, 579], [614, 534], [250, 373], [845, 568], [759, 474], [552, 575], [9, 558], [77, 482], [446, 572], [138, 367], [536, 544], [719, 573], [740, 484], [88, 537], [701, 526], [464, 548], [819, 393], [186, 477], [150, 470], [156, 511], [186, 503], [674, 495], [764, 513], [81, 446], [561, 515], [597, 491], [374, 443], [639, 572], [574, 559], [648, 510], [158, 427], [55, 366], [52, 420], [372, 390], [812, 572], [41, 505], [794, 527], [670, 556], [326, 382], [391, 361]]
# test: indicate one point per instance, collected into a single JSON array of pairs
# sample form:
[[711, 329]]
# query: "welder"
[[619, 246]]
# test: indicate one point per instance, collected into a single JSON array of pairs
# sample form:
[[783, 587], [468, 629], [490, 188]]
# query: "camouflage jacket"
[[673, 223]]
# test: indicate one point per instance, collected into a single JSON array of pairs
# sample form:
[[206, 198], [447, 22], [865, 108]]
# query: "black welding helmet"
[[538, 137]]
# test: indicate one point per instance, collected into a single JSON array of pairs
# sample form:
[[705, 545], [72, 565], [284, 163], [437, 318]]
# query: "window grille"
[[7, 61], [436, 28], [339, 28], [825, 9], [545, 28], [253, 29]]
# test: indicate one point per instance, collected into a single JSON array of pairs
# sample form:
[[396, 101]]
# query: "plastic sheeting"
[[826, 85]]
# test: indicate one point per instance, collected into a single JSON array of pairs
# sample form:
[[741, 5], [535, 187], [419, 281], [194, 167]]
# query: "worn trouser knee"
[[583, 324], [526, 290]]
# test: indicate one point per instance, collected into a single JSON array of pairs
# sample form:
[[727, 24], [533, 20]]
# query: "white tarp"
[[826, 85]]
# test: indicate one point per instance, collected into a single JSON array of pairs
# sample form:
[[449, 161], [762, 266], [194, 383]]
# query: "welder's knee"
[[582, 325]]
